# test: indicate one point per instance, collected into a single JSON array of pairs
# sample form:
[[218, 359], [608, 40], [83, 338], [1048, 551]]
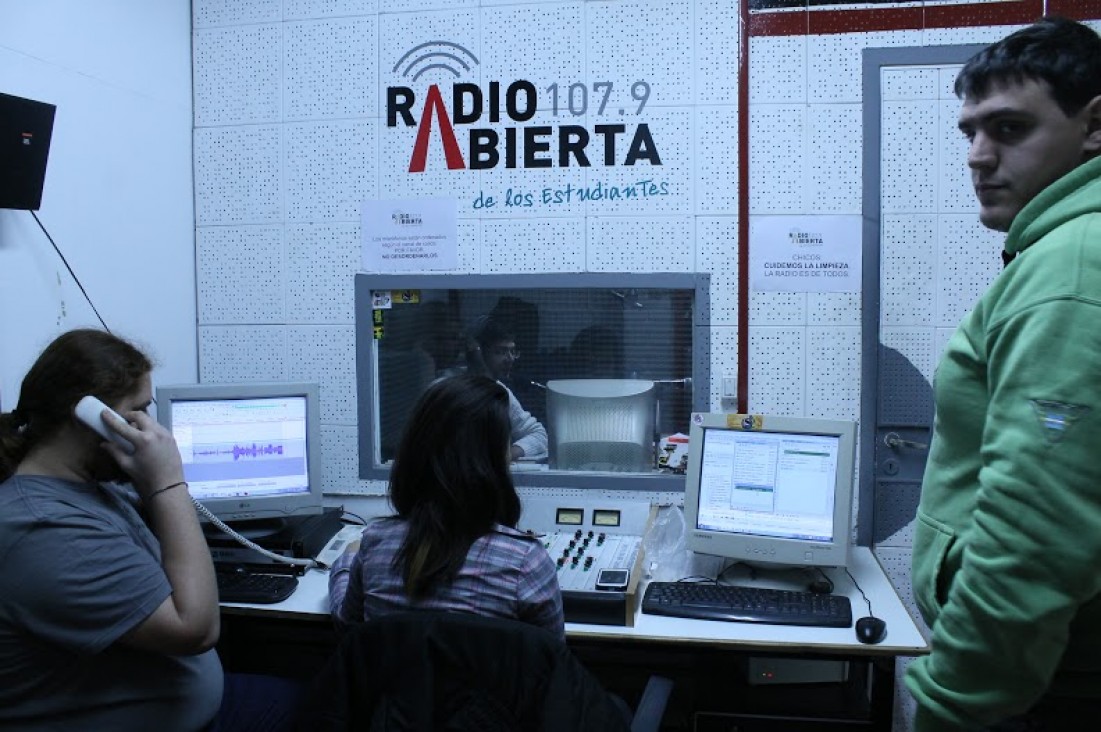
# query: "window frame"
[[366, 359]]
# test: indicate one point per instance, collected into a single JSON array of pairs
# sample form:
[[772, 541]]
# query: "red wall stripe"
[[743, 209], [970, 16], [1077, 9], [872, 19], [823, 21]]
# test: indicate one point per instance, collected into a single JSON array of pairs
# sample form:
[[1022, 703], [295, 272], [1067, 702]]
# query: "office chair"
[[420, 671]]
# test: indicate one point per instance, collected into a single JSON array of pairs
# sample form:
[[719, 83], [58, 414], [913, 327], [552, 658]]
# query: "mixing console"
[[585, 536], [580, 555]]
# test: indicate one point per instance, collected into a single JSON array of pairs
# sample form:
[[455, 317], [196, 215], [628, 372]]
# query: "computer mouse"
[[870, 629]]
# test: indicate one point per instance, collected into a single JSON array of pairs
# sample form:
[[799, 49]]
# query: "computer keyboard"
[[254, 587], [706, 601]]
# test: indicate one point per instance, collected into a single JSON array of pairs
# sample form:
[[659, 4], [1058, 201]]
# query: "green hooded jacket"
[[1007, 543]]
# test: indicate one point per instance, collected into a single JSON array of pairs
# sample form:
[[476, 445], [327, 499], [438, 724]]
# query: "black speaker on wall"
[[25, 129]]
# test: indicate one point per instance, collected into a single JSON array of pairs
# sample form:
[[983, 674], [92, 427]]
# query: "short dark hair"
[[77, 363], [489, 331], [1063, 53], [450, 481]]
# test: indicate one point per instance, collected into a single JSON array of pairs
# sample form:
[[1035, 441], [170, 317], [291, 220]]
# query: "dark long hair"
[[1064, 53], [77, 363], [450, 480]]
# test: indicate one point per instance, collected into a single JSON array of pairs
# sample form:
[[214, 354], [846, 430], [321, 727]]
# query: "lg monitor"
[[771, 491], [250, 451]]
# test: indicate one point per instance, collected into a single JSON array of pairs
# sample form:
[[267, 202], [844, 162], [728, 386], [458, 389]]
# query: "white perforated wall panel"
[[236, 75], [646, 40], [717, 253], [833, 372], [329, 169], [717, 37], [304, 9], [543, 45], [640, 245], [237, 175], [777, 308], [834, 169], [240, 274], [777, 370], [958, 36], [327, 355], [909, 156], [206, 13], [397, 6], [955, 193], [908, 83], [322, 260], [969, 258], [907, 279], [340, 461], [534, 245], [470, 247], [777, 148], [716, 179], [778, 70], [833, 308], [235, 354], [330, 68]]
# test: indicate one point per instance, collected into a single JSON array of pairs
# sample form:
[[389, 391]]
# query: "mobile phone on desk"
[[613, 580]]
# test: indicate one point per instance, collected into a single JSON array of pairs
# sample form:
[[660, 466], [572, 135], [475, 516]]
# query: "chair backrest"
[[450, 671]]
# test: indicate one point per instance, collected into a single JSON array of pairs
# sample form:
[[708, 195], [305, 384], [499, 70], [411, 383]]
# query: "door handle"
[[893, 441]]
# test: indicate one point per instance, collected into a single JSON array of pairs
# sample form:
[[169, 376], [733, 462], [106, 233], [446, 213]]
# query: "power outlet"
[[728, 399]]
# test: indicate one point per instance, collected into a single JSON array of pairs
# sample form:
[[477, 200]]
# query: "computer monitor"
[[250, 451], [601, 425], [773, 491]]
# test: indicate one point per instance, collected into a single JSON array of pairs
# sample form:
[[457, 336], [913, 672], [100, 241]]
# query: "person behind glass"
[[107, 621], [452, 544], [492, 351], [1007, 542]]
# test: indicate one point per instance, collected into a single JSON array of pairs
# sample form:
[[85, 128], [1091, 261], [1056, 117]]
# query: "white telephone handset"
[[89, 410]]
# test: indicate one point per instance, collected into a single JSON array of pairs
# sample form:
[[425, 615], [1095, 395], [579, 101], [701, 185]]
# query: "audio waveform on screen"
[[239, 451]]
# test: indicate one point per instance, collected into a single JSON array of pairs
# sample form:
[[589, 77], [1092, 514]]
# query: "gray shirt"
[[80, 569]]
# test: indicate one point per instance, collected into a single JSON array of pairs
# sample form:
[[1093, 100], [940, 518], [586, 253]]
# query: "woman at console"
[[452, 543]]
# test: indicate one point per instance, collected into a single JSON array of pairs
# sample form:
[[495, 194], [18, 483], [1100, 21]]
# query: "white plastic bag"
[[666, 554]]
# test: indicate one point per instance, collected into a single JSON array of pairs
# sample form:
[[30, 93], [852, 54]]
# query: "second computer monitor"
[[770, 490], [250, 451]]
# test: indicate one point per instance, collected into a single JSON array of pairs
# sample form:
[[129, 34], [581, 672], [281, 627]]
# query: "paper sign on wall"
[[805, 254], [410, 234]]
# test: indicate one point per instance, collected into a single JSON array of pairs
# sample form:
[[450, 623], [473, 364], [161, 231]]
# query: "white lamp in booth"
[[602, 425]]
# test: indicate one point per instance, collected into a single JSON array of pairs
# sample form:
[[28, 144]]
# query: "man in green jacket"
[[1007, 544]]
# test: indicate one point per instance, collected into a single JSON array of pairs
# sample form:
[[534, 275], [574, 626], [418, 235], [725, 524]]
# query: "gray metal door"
[[926, 260]]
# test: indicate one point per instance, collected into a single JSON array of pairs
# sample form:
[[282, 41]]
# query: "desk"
[[295, 636]]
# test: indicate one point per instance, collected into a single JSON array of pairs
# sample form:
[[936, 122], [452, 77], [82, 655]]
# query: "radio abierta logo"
[[613, 140]]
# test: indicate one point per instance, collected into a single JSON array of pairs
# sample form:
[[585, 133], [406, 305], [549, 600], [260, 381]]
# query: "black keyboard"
[[706, 601], [254, 587]]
